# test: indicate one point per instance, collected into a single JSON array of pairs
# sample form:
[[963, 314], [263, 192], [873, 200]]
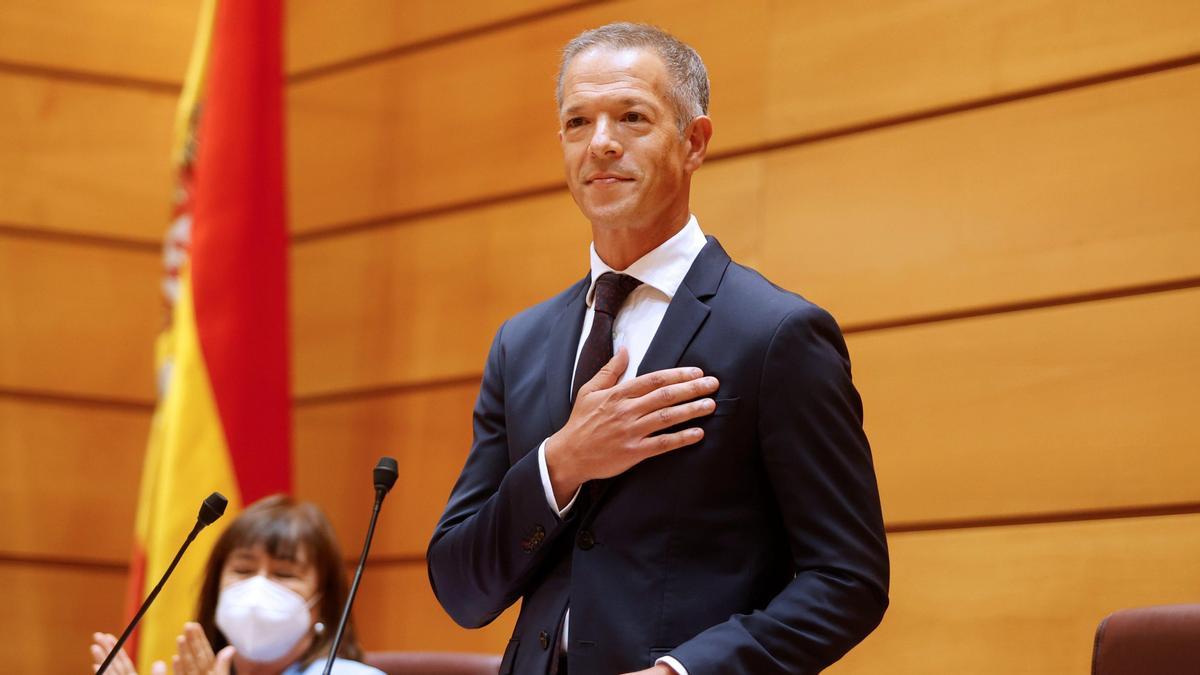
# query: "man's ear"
[[697, 135]]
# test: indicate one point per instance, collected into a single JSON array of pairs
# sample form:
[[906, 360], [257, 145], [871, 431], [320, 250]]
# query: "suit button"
[[534, 539], [544, 640], [586, 539]]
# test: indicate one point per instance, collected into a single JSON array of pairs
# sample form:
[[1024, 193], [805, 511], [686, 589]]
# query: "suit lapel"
[[685, 315], [687, 311], [562, 341]]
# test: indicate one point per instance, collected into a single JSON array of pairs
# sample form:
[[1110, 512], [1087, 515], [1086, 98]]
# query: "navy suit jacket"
[[759, 550]]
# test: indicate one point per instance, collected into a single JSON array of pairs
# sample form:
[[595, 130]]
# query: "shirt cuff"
[[673, 664], [549, 489]]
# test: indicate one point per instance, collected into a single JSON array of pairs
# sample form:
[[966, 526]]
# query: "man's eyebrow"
[[628, 102], [631, 101]]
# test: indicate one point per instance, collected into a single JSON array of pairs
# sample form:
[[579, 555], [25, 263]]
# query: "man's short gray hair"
[[688, 88]]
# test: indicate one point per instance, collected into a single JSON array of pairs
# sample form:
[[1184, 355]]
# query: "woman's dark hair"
[[290, 530]]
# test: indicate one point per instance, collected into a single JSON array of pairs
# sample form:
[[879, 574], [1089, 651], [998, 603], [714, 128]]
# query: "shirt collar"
[[662, 268]]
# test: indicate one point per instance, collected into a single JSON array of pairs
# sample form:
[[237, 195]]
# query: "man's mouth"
[[607, 178]]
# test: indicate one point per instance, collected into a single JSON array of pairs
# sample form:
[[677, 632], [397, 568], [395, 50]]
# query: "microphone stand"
[[385, 476], [210, 510]]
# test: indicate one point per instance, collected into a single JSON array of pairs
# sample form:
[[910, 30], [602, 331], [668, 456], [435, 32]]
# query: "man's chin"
[[610, 216]]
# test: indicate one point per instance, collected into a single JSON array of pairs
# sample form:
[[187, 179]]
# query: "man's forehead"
[[629, 72]]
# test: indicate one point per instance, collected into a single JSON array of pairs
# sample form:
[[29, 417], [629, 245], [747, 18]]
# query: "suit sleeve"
[[820, 471], [497, 526]]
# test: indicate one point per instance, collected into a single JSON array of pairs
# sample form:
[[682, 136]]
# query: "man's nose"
[[604, 142]]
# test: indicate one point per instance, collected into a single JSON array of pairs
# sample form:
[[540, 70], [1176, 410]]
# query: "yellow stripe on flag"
[[186, 460]]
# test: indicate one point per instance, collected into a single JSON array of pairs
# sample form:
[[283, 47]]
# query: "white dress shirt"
[[661, 271]]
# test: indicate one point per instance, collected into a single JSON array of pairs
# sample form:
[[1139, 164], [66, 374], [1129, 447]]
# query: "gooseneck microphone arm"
[[385, 474], [212, 508]]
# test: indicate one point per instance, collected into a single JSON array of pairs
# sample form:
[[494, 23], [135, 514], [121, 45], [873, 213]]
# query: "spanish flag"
[[223, 420]]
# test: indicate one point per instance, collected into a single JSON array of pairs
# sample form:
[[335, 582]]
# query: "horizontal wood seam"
[[357, 394], [949, 525], [401, 218], [1151, 288], [407, 48], [17, 231], [349, 395], [174, 87], [1080, 516], [77, 400], [1187, 283], [92, 78]]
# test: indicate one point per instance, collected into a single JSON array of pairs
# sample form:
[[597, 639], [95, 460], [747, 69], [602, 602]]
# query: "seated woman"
[[272, 595]]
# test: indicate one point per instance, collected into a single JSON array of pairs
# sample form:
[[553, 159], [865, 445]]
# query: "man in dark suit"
[[668, 468]]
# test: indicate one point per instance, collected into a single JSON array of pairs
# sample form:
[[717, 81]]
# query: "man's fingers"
[[656, 445], [673, 394], [608, 375], [656, 420], [645, 384]]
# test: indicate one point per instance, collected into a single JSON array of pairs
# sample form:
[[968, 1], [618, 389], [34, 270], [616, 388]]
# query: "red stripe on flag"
[[239, 244]]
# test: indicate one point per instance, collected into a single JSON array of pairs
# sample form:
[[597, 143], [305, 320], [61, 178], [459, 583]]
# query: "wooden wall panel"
[[1059, 410], [77, 319], [52, 613], [1078, 407], [320, 33], [835, 64], [145, 39], [1067, 193], [85, 158], [422, 300], [387, 137], [337, 444], [1022, 599], [396, 610], [75, 467], [477, 117], [1070, 193]]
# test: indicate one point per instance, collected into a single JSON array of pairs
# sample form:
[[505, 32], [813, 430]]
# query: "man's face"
[[627, 165]]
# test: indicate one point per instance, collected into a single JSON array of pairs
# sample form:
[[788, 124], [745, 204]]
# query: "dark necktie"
[[611, 291]]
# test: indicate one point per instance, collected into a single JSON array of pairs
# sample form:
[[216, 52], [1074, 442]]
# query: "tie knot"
[[611, 291]]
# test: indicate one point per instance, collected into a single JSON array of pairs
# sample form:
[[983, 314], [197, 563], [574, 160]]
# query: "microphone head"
[[212, 508], [386, 472]]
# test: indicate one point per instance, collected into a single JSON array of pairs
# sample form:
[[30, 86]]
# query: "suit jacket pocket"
[[726, 406]]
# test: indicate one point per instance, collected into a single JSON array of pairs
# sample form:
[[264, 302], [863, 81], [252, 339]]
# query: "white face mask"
[[262, 619]]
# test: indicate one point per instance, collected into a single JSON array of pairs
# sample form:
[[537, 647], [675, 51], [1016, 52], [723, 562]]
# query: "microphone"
[[212, 508], [384, 474]]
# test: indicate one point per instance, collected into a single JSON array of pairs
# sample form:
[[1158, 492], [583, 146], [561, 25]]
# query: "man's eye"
[[634, 117], [574, 122]]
